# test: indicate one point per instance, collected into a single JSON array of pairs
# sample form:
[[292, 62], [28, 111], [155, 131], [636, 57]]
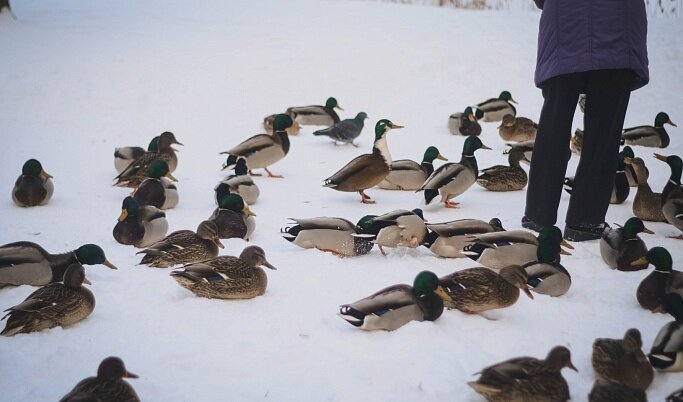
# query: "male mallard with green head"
[[409, 175], [453, 179], [109, 385], [397, 305], [505, 178], [649, 136], [239, 183], [33, 187], [622, 360], [263, 150], [233, 218], [664, 279], [447, 239], [464, 123], [227, 277], [184, 247], [335, 235], [546, 275], [622, 246], [124, 156], [140, 226], [367, 170], [316, 115], [137, 171], [152, 190], [26, 263], [57, 304], [495, 108]]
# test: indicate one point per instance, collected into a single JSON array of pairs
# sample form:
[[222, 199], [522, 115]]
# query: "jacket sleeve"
[[539, 3]]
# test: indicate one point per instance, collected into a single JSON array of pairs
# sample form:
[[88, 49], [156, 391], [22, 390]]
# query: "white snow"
[[81, 78]]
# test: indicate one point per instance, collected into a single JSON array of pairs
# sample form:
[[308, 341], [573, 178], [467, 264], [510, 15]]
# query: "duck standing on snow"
[[649, 136], [453, 179], [316, 115], [335, 235], [400, 228], [622, 360], [647, 205], [184, 247], [517, 129], [262, 150], [447, 239], [367, 170], [109, 385], [666, 353], [33, 187], [152, 190], [505, 178], [408, 175], [26, 263], [397, 305], [124, 156], [140, 226], [664, 279], [136, 172], [227, 277], [475, 290], [346, 130], [622, 246], [239, 183], [464, 123], [672, 194], [233, 218], [495, 108], [524, 379], [57, 304]]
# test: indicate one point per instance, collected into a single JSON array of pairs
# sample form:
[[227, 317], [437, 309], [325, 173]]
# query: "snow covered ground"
[[81, 78]]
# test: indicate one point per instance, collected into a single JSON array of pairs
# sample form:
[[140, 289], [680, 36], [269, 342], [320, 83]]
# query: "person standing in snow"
[[596, 47]]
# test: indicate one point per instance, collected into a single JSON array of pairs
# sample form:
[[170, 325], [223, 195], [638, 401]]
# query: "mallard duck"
[[676, 396], [239, 183], [316, 115], [367, 170], [622, 246], [408, 175], [26, 263], [453, 179], [140, 226], [546, 275], [152, 190], [647, 205], [262, 150], [400, 228], [664, 279], [335, 235], [227, 277], [475, 290], [496, 250], [620, 189], [464, 123], [649, 136], [109, 385], [611, 391], [124, 156], [294, 129], [525, 379], [34, 186], [184, 247], [137, 171], [576, 142], [627, 153], [672, 194], [666, 353], [526, 147], [170, 193], [233, 218], [397, 305], [346, 130], [622, 360], [57, 304], [518, 129], [505, 178], [448, 239], [494, 109]]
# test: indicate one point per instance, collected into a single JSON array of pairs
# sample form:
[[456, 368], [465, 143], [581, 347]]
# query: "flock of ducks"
[[511, 261]]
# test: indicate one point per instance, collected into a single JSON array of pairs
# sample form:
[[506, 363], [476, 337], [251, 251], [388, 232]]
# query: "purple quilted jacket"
[[584, 35]]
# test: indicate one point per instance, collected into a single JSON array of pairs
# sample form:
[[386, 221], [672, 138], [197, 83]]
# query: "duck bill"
[[528, 292], [443, 294], [485, 147], [108, 264], [566, 244], [396, 126], [513, 101], [130, 375], [648, 231], [218, 242], [178, 142], [441, 157], [564, 252], [269, 265], [628, 161], [123, 216], [472, 118], [170, 176], [640, 261], [672, 123], [247, 212], [45, 175], [339, 107], [660, 157], [87, 281]]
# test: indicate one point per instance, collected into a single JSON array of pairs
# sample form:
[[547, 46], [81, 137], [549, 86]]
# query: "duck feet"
[[274, 176], [381, 250], [364, 198], [254, 174], [679, 237], [451, 204], [333, 252], [414, 243]]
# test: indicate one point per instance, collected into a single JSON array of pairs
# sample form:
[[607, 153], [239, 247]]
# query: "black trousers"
[[607, 95]]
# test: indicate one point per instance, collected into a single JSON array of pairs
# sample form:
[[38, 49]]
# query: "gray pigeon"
[[346, 130]]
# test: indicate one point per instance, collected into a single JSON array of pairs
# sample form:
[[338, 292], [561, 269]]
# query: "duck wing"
[[505, 237], [358, 165], [251, 145], [325, 223], [172, 242], [405, 164], [390, 298], [460, 227], [443, 175]]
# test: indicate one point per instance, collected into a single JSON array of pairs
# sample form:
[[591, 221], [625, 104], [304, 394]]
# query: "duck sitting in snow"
[[622, 360], [346, 130], [239, 183], [464, 123], [447, 239], [495, 108], [136, 172], [184, 247], [233, 218], [647, 205], [397, 305], [505, 178], [367, 170], [227, 277], [453, 179], [672, 194], [546, 275], [666, 353], [517, 129], [153, 191], [649, 136], [620, 189], [335, 235], [409, 175], [664, 279], [400, 228], [34, 186], [621, 247], [109, 385], [140, 226], [124, 156]]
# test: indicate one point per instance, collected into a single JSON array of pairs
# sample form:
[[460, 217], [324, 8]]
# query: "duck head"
[[129, 207], [659, 257], [158, 169], [427, 282], [235, 203], [255, 257], [506, 96], [633, 226], [209, 231], [472, 143], [432, 153], [663, 118], [92, 254], [33, 168], [331, 103], [113, 368]]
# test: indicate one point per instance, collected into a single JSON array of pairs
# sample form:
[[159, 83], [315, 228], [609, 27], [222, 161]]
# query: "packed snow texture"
[[81, 78]]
